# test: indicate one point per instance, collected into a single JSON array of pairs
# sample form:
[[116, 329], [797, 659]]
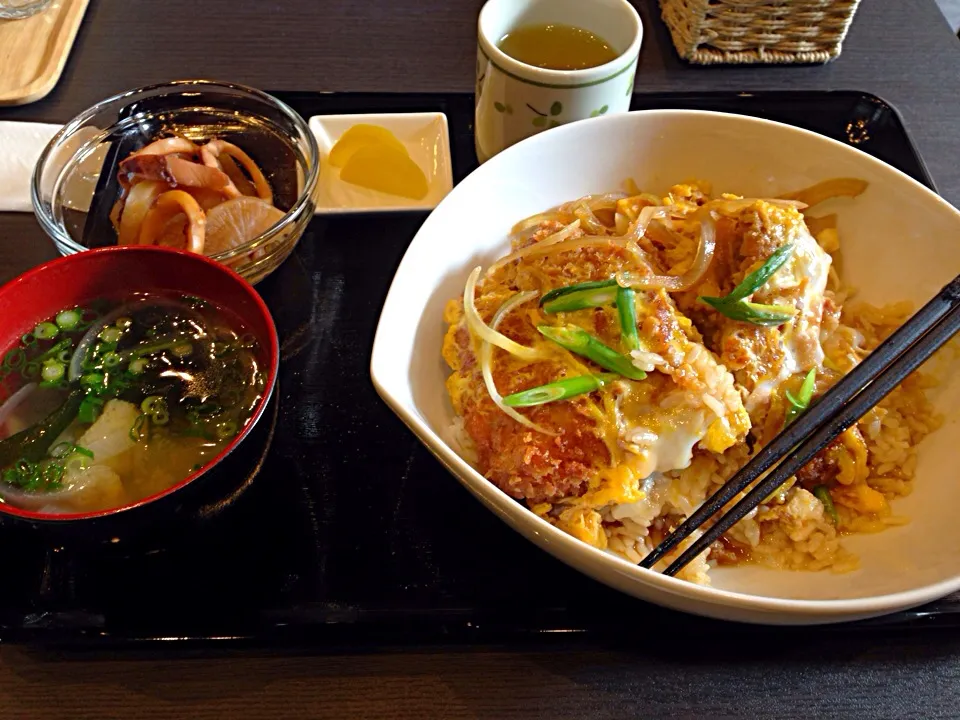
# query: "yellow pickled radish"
[[359, 136], [387, 169]]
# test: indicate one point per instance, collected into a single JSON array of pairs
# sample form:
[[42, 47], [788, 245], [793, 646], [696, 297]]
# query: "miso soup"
[[104, 405]]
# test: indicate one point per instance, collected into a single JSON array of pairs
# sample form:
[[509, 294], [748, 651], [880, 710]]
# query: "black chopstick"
[[873, 379]]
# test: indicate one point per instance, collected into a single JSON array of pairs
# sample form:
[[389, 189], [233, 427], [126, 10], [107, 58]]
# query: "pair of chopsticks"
[[839, 408]]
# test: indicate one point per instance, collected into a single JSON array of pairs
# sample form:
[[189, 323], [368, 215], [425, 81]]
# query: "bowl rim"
[[290, 217], [771, 610], [273, 354]]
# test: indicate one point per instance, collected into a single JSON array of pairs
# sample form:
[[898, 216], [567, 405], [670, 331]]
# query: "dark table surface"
[[902, 50]]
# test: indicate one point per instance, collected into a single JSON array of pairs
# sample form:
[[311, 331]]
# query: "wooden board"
[[33, 51]]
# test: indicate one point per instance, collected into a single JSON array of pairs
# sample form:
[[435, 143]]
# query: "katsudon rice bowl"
[[634, 350], [601, 325]]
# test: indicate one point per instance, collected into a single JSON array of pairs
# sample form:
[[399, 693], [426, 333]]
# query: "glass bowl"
[[75, 186]]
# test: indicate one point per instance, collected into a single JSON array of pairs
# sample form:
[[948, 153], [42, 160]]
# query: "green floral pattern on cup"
[[544, 120], [511, 107]]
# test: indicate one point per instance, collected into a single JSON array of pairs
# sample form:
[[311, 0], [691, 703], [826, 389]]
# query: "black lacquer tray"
[[351, 535]]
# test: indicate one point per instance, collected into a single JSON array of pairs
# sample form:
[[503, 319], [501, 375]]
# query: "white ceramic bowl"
[[899, 242]]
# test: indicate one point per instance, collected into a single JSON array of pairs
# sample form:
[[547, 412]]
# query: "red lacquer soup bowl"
[[121, 272]]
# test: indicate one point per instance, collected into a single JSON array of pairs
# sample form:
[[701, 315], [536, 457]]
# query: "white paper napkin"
[[20, 145]]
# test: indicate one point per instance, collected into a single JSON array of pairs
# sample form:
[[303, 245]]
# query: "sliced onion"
[[12, 402], [538, 219], [678, 283], [647, 216], [486, 333], [588, 241], [538, 248], [589, 221], [734, 206], [817, 225], [836, 187], [650, 198], [639, 229], [486, 359], [607, 201], [564, 213]]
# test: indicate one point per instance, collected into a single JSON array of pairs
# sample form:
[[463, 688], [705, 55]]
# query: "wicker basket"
[[710, 32]]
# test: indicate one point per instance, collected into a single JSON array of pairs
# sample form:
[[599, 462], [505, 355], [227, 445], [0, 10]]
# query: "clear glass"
[[17, 9], [74, 186]]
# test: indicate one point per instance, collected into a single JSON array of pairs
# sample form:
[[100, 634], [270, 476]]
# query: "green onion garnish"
[[226, 429], [735, 305], [87, 318], [137, 430], [33, 443], [35, 476], [822, 493], [77, 461], [802, 400], [167, 342], [68, 319], [576, 287], [150, 403], [123, 322], [90, 409], [52, 371], [560, 390], [580, 342], [56, 351], [80, 450], [155, 407], [138, 366], [92, 380], [753, 313], [758, 278], [580, 296], [182, 350], [61, 449], [110, 334], [627, 310], [15, 359], [46, 331]]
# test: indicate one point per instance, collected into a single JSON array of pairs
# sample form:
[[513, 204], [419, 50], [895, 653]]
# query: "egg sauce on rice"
[[622, 465]]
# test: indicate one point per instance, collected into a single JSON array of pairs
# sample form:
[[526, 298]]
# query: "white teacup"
[[516, 100]]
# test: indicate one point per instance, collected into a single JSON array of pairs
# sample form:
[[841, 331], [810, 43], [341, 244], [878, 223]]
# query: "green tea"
[[557, 47]]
